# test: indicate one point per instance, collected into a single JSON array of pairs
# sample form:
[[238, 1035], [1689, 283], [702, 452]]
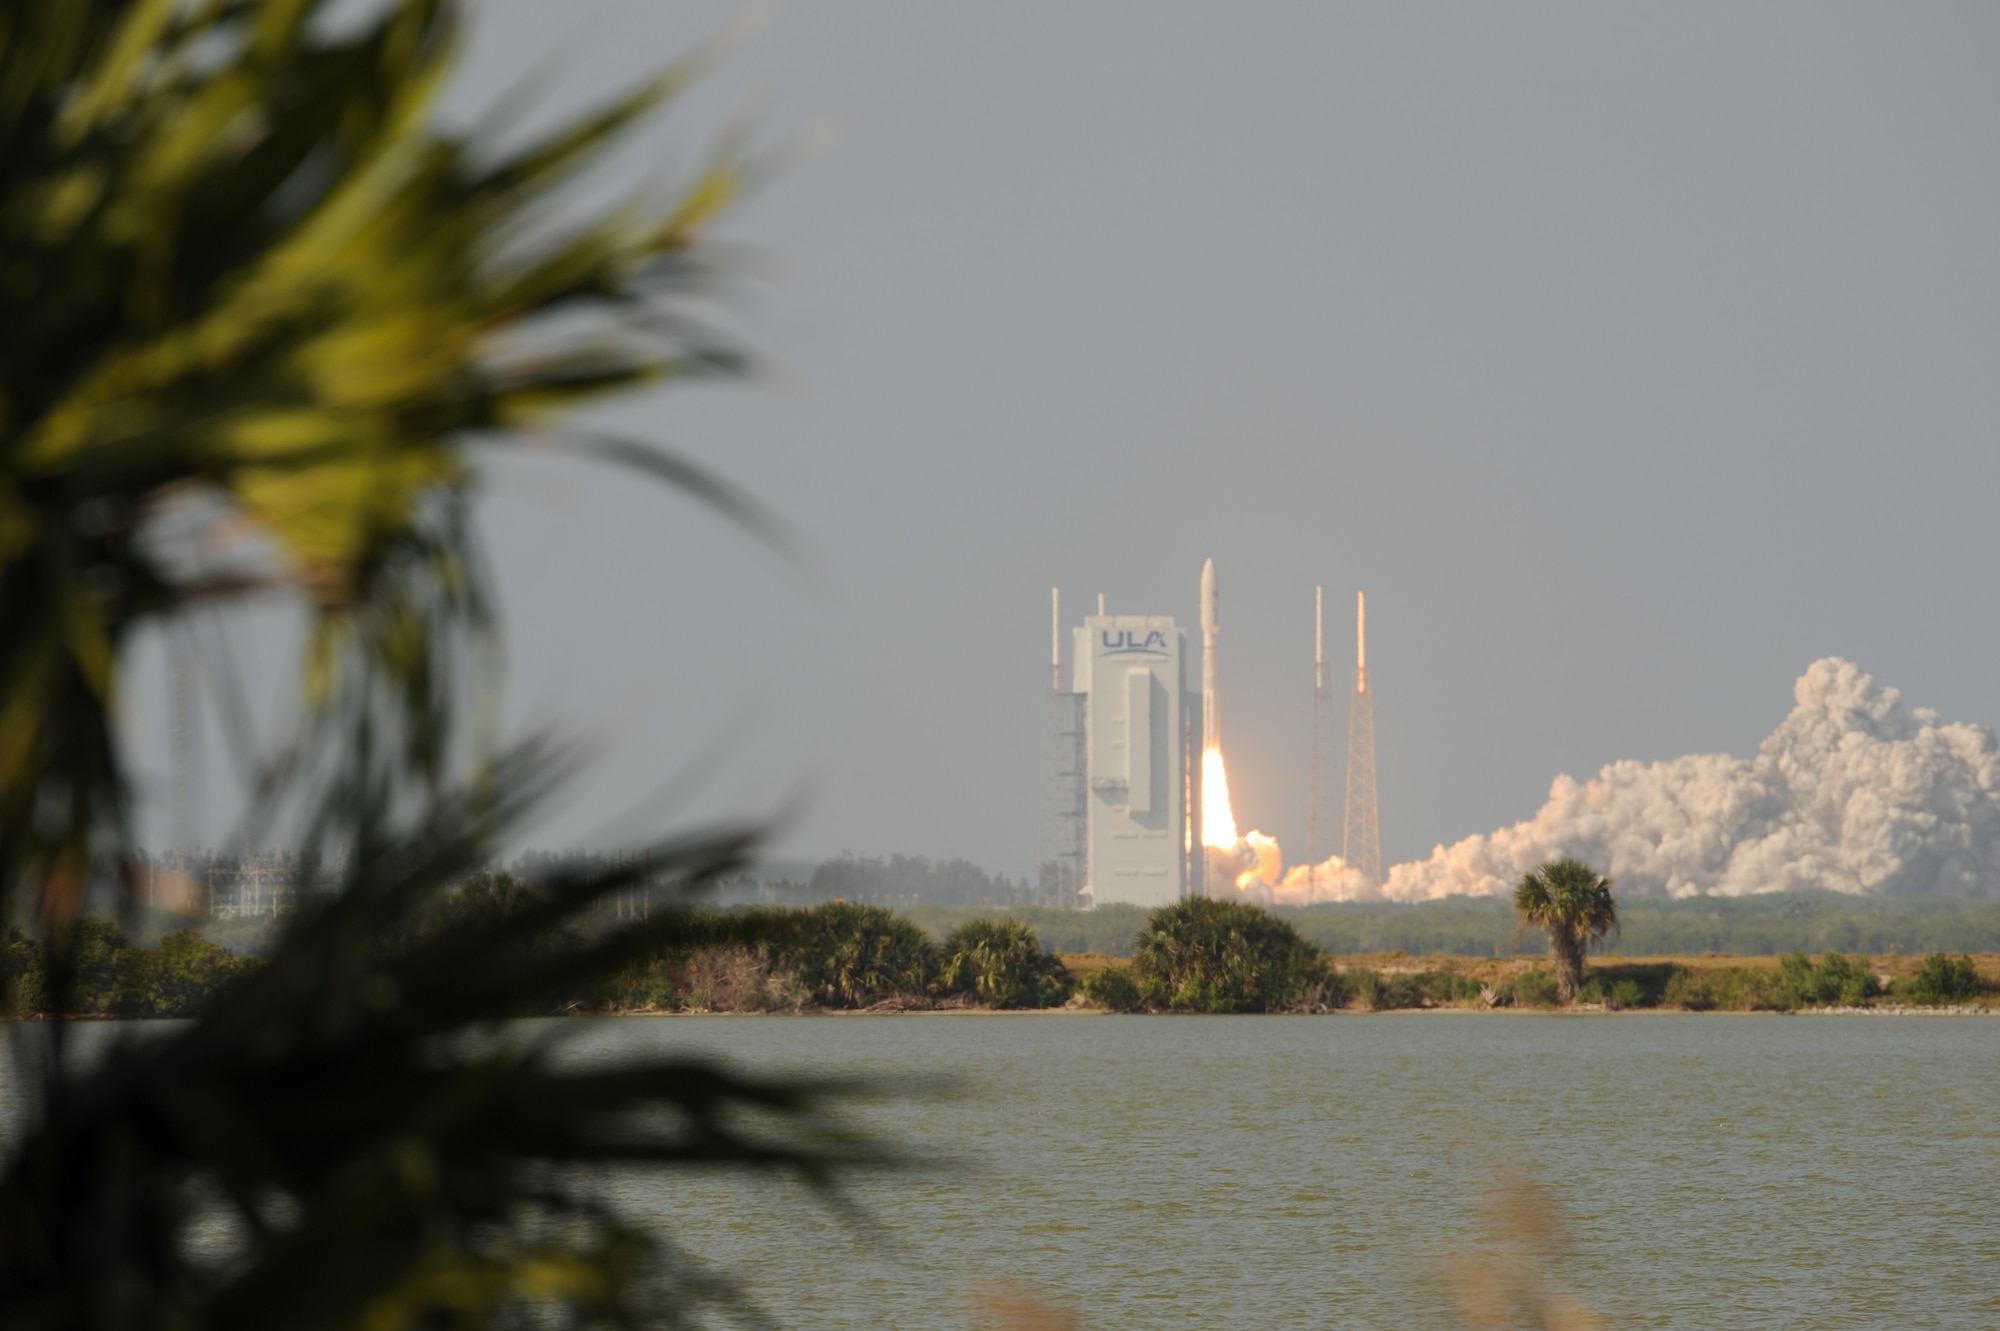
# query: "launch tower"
[[1361, 847], [1323, 814]]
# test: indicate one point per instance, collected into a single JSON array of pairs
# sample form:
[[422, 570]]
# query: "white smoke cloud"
[[1854, 792]]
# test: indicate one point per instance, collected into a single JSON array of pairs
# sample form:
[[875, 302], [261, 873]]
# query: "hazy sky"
[[1630, 357]]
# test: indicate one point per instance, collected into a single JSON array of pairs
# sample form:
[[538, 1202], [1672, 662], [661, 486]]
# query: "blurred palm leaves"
[[254, 308], [245, 281]]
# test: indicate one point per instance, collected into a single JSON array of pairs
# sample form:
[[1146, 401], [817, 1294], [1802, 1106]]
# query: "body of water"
[[1691, 1171], [1659, 1170]]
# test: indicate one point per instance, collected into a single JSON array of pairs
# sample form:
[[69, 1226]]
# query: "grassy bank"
[[1196, 956], [1761, 926], [1396, 981]]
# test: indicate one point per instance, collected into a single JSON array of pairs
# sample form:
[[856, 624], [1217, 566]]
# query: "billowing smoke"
[[1854, 793]]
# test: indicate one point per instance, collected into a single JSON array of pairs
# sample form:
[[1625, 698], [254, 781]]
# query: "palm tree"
[[259, 315], [1001, 962], [1572, 902]]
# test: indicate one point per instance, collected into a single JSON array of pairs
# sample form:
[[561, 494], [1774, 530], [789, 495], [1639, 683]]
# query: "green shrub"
[[1941, 979], [644, 986], [1687, 989], [1855, 980], [1535, 987], [1368, 988], [188, 971], [1729, 989], [1001, 962], [1206, 955], [1836, 979], [115, 978], [1114, 988], [1377, 991], [1615, 992], [849, 955]]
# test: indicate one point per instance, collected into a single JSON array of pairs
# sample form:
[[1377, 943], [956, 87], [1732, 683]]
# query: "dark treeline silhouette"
[[911, 879], [897, 880], [271, 883], [234, 898]]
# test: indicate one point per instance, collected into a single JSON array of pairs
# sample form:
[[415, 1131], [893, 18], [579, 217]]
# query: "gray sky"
[[1630, 358]]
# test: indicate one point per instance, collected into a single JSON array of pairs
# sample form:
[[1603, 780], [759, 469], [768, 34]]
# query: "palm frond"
[[246, 279], [242, 261], [419, 1167]]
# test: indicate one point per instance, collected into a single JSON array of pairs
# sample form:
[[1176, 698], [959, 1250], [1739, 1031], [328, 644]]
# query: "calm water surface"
[[1706, 1171]]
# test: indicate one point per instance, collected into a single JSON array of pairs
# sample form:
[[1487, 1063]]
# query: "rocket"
[[1211, 627]]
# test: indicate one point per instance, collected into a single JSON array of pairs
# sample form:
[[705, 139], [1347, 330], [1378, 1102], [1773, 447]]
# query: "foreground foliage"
[[258, 315]]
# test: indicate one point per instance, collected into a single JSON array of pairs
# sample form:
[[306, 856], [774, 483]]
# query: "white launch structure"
[[1124, 760]]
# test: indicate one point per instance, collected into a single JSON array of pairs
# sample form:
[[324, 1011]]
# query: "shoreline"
[[1468, 1010], [1582, 1010]]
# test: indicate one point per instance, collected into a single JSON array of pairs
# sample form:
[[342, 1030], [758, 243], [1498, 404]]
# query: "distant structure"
[[1122, 765], [1211, 676], [1060, 853], [1323, 814], [1361, 844]]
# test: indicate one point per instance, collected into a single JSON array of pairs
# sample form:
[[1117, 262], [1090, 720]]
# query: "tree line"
[[1201, 955], [943, 894], [114, 977]]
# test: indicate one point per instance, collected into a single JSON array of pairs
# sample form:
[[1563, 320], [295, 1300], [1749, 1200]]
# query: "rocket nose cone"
[[1210, 618]]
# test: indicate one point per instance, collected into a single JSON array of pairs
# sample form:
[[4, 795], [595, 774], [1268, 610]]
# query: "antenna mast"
[[1322, 814], [1361, 847]]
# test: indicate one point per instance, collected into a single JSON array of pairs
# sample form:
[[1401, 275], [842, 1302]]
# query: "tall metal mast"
[[1323, 814], [1361, 845]]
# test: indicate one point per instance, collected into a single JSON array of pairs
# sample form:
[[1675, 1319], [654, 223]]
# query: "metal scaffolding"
[[1323, 817], [1060, 851], [1361, 843]]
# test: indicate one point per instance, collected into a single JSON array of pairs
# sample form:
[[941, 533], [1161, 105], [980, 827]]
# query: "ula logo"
[[1125, 642]]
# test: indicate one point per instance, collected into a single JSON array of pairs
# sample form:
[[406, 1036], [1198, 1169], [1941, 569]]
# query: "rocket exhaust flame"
[[1218, 824], [1254, 856]]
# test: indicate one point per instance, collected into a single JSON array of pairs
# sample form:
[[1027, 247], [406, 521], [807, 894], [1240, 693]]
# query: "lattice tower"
[[1323, 817], [1060, 852], [1361, 846], [1060, 839]]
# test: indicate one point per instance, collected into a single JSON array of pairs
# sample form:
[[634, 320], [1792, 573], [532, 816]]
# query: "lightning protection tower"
[[1060, 858], [1324, 814], [1361, 847]]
